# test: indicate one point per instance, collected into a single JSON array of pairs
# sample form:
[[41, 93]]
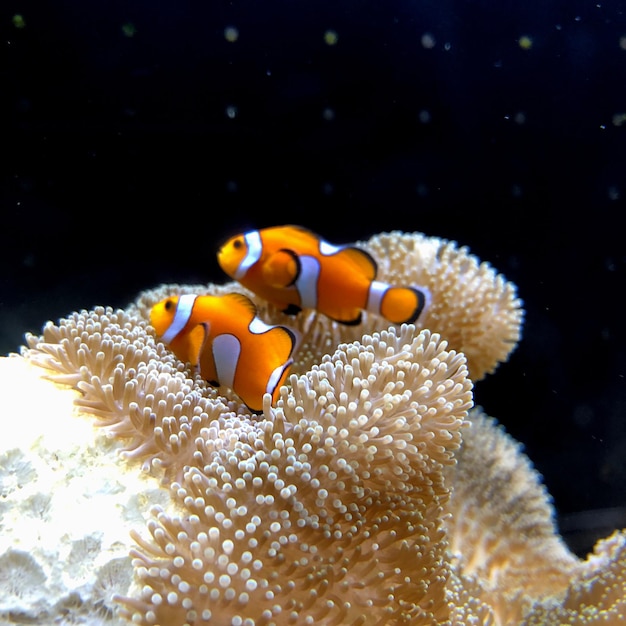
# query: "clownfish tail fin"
[[295, 338], [285, 341], [399, 305]]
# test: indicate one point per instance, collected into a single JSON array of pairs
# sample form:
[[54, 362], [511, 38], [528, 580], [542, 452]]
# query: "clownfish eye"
[[238, 243], [169, 305]]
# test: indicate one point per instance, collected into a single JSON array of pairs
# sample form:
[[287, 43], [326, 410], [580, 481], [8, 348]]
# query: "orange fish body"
[[222, 337], [294, 268]]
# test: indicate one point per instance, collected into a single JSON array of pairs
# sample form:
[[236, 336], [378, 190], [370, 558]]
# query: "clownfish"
[[293, 268], [223, 338]]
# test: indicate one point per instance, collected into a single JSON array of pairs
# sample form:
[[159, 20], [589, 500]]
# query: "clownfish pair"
[[293, 268], [223, 338]]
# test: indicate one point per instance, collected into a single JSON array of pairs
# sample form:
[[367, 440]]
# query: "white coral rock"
[[67, 505]]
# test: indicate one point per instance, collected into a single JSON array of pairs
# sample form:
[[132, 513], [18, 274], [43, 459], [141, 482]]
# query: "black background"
[[135, 137]]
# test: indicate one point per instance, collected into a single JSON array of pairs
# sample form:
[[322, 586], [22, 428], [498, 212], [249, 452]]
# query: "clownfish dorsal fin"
[[303, 229], [282, 268], [241, 303], [296, 231], [362, 260]]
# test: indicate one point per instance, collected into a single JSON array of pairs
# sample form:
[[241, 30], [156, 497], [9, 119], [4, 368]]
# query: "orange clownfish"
[[294, 268], [222, 337]]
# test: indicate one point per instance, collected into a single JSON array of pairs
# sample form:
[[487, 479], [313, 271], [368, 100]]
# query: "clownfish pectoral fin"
[[359, 258], [399, 305], [281, 269], [196, 338]]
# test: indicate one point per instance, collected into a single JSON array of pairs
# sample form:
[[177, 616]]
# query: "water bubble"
[[428, 40], [231, 34], [129, 29], [331, 37], [525, 42], [619, 119], [424, 116]]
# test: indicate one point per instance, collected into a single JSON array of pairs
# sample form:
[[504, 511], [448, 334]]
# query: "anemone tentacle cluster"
[[371, 493]]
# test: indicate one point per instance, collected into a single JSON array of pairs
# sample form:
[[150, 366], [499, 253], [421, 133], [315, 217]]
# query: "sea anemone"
[[370, 493]]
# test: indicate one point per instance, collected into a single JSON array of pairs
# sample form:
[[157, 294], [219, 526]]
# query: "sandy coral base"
[[67, 505]]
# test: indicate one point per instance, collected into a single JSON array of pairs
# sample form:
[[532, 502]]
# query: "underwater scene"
[[311, 312]]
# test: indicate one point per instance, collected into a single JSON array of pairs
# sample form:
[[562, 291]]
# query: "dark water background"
[[135, 136]]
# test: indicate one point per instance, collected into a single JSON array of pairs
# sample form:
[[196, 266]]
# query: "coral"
[[346, 469], [596, 593], [65, 499], [370, 493], [501, 528], [505, 549], [301, 512]]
